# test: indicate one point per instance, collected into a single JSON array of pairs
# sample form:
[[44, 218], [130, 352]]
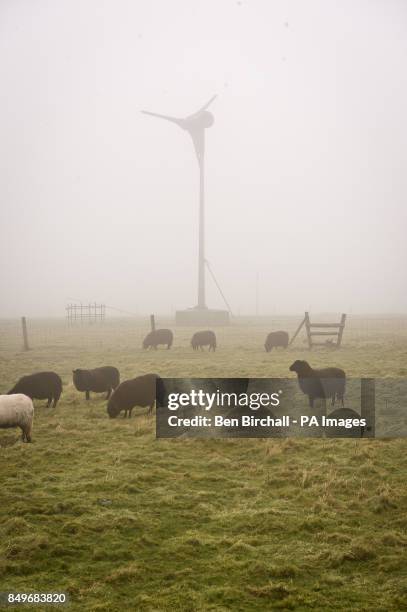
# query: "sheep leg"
[[87, 395], [311, 401], [130, 413], [56, 399], [125, 414], [49, 400], [26, 437], [150, 410]]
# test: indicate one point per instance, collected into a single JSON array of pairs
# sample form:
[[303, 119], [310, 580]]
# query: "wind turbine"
[[195, 125]]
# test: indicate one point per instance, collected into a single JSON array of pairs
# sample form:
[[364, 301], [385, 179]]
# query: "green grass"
[[101, 509]]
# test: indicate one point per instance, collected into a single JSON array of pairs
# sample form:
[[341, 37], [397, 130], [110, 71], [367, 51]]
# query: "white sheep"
[[17, 410]]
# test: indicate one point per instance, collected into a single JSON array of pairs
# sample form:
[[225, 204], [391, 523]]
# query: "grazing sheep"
[[17, 410], [278, 338], [357, 431], [140, 391], [42, 385], [204, 338], [323, 383], [158, 336], [98, 380]]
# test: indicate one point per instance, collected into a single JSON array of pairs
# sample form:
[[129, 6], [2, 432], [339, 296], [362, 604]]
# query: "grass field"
[[119, 520]]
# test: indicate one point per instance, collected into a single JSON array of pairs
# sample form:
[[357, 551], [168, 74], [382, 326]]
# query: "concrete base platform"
[[205, 317]]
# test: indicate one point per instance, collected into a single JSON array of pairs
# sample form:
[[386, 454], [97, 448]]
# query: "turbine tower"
[[195, 125]]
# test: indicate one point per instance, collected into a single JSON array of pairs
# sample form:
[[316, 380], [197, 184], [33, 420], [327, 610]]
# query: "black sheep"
[[342, 432], [140, 391], [277, 338], [98, 380], [323, 383], [204, 338], [158, 336], [41, 385]]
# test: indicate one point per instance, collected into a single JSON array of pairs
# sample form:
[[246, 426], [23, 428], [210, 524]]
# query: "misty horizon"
[[306, 173]]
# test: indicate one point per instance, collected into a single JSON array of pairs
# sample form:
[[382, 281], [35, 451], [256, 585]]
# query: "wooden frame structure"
[[85, 313], [331, 329]]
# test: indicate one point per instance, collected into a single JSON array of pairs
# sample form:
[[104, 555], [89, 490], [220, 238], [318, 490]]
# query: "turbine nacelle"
[[198, 121], [195, 124]]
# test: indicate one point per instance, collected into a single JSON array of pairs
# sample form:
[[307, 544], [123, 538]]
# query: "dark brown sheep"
[[98, 380], [41, 385], [342, 432], [274, 339], [157, 337], [140, 391], [323, 383], [204, 338]]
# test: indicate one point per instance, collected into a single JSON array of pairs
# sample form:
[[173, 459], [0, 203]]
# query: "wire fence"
[[59, 333]]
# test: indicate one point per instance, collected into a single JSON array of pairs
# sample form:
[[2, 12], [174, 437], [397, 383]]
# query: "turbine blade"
[[205, 106], [167, 117]]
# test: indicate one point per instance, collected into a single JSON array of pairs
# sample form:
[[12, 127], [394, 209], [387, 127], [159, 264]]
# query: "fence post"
[[341, 328], [152, 322], [25, 336], [308, 328]]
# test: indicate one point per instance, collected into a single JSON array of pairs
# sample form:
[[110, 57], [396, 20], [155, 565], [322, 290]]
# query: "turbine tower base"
[[202, 317]]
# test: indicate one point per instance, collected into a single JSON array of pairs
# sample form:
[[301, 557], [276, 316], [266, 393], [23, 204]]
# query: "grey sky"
[[306, 162]]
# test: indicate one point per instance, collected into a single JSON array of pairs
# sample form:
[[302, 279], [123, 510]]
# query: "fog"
[[306, 171]]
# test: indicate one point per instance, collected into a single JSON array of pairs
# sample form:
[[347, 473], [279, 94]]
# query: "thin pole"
[[218, 286], [367, 405], [201, 248]]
